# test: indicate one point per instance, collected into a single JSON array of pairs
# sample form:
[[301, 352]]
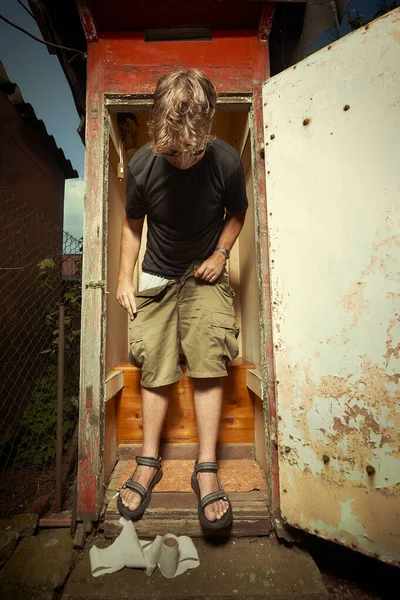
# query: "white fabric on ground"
[[173, 555]]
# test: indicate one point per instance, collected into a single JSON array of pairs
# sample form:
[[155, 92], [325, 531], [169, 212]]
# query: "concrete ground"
[[43, 565], [246, 568]]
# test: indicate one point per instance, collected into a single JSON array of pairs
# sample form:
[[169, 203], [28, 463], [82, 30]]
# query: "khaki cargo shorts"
[[190, 313]]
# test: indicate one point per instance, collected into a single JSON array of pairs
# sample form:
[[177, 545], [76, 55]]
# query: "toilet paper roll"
[[169, 556], [173, 555]]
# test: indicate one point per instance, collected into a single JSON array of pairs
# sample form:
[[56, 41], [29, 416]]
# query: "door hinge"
[[96, 284], [95, 110]]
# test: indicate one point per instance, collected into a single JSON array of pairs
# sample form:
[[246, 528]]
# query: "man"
[[191, 187]]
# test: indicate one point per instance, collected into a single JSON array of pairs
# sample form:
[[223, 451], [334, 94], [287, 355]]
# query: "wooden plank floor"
[[173, 507]]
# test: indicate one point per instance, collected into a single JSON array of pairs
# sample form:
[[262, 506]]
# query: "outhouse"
[[309, 434]]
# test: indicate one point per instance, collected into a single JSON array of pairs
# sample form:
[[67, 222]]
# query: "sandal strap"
[[206, 467], [135, 487], [149, 461], [221, 495]]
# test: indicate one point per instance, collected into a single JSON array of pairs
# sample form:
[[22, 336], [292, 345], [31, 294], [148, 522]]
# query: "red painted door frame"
[[123, 65], [92, 377]]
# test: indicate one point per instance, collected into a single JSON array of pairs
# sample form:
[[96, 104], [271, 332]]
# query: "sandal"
[[145, 495], [226, 520]]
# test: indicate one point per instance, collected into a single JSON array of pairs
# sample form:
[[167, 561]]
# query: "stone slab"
[[8, 541], [25, 523], [38, 566], [245, 568]]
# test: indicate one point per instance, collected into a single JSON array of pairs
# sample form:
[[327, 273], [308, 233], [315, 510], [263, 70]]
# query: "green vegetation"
[[38, 444]]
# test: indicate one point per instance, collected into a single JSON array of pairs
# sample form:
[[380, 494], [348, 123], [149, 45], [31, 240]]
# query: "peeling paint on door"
[[333, 182]]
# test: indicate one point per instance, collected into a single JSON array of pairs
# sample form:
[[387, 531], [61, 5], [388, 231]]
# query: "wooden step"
[[176, 512], [173, 507], [237, 419]]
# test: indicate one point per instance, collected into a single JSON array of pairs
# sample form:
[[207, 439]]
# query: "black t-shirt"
[[185, 208]]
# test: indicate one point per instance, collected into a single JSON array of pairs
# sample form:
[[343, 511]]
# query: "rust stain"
[[288, 385], [369, 268], [378, 505], [367, 421], [392, 352], [375, 515], [395, 34], [356, 303], [333, 386], [307, 488], [368, 403], [388, 241]]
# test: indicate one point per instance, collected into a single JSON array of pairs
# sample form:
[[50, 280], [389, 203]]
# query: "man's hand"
[[212, 267], [126, 298]]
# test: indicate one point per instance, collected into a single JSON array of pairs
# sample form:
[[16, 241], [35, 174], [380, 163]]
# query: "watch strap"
[[224, 251]]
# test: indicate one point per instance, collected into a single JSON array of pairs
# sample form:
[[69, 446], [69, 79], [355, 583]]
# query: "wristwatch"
[[224, 251]]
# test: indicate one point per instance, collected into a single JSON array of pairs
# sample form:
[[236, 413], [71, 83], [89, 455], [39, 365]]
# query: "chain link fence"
[[40, 268]]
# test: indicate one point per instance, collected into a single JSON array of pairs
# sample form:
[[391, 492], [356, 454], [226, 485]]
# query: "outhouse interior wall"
[[249, 300], [116, 340], [233, 127]]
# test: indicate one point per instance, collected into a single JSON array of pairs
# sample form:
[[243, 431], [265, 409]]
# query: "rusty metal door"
[[332, 154]]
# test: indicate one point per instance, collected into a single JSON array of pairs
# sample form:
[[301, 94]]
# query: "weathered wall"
[[133, 66], [31, 178], [333, 183], [26, 167]]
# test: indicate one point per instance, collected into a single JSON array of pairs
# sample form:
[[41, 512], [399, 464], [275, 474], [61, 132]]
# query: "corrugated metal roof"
[[13, 94]]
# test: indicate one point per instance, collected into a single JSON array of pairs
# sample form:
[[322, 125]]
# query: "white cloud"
[[73, 206]]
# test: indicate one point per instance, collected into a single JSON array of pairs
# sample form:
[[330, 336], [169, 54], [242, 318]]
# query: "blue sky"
[[42, 83], [368, 8]]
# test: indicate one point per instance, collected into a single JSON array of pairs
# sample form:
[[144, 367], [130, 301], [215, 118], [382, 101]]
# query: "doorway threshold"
[[173, 506]]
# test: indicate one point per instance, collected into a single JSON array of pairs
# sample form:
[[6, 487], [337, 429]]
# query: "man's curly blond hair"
[[183, 111]]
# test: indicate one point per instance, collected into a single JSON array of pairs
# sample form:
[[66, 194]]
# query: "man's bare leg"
[[208, 404], [154, 409]]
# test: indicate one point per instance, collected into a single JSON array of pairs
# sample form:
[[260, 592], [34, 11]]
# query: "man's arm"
[[213, 266], [131, 236]]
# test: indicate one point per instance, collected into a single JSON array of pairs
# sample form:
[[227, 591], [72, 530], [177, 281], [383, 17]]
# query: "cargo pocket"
[[137, 350], [223, 325]]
